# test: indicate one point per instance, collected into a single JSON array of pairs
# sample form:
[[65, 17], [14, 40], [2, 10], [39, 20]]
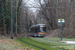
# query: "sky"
[[33, 3]]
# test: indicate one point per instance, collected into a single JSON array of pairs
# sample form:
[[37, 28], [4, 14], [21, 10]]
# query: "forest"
[[47, 13]]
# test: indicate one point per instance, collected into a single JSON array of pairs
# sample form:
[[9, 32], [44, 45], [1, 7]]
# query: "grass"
[[56, 42], [48, 44], [39, 45], [6, 46], [42, 42], [58, 39], [49, 41]]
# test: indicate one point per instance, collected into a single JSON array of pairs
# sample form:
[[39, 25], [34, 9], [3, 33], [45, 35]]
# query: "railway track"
[[28, 43], [36, 42]]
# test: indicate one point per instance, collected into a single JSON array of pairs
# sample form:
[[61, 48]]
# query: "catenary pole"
[[16, 17], [61, 28], [11, 19]]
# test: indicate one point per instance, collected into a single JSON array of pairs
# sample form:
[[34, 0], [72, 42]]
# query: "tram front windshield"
[[42, 29]]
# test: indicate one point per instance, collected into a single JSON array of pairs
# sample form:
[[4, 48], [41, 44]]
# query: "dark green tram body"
[[38, 30]]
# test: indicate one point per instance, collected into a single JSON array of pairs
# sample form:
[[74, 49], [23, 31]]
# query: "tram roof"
[[40, 24], [37, 25]]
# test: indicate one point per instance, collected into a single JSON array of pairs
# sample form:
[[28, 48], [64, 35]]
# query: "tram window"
[[36, 29], [43, 29], [31, 30]]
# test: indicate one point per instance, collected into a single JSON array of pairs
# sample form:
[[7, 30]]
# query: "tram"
[[38, 30]]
